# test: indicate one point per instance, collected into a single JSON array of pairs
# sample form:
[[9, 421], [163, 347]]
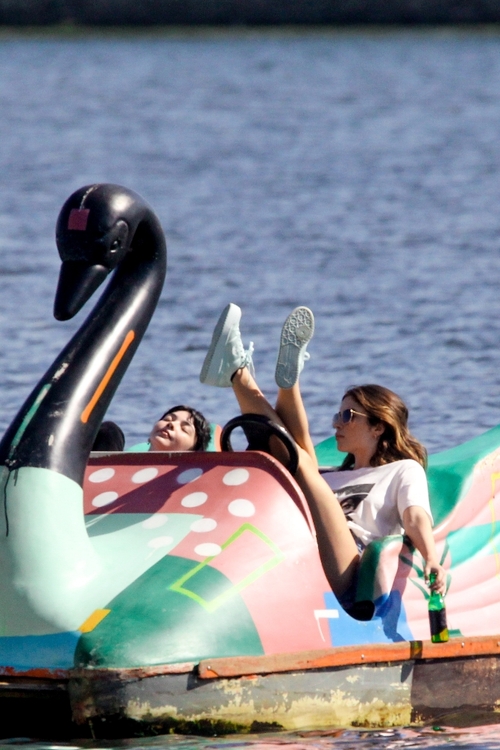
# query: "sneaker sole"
[[210, 372], [296, 333]]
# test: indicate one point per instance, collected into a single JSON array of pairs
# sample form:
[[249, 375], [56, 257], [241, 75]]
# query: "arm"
[[417, 525]]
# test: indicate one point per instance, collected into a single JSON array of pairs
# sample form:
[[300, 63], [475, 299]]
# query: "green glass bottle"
[[437, 615]]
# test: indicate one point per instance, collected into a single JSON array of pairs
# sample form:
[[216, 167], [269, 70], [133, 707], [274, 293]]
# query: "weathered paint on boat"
[[300, 677], [372, 686], [388, 685], [369, 685]]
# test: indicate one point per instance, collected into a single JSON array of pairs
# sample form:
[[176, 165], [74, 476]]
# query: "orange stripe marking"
[[107, 377], [93, 621]]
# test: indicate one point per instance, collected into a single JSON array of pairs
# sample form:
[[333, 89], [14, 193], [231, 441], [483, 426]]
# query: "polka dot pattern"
[[145, 475], [194, 499], [216, 526], [204, 525], [236, 477], [241, 508], [101, 475], [235, 513], [105, 498], [164, 491], [207, 549]]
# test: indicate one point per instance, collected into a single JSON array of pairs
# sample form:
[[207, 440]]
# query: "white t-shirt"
[[374, 499]]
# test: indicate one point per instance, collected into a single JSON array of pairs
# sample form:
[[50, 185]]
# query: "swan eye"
[[115, 245]]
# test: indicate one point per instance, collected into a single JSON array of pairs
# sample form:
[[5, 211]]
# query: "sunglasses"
[[344, 417]]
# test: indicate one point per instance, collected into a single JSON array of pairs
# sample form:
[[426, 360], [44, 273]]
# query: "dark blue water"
[[354, 172]]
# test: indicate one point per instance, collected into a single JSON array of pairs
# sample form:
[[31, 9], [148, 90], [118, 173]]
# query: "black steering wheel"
[[258, 431]]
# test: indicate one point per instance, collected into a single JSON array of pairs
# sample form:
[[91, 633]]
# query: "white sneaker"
[[296, 333], [226, 354]]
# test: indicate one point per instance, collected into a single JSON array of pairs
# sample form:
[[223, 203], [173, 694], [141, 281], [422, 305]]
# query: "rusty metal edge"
[[349, 656], [120, 673], [132, 673], [246, 666]]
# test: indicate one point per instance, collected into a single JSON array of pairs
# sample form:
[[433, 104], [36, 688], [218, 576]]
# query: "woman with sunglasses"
[[381, 487]]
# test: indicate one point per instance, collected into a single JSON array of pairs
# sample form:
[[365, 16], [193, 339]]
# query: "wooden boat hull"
[[373, 686]]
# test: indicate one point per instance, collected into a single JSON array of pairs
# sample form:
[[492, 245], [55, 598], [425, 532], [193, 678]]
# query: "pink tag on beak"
[[78, 218]]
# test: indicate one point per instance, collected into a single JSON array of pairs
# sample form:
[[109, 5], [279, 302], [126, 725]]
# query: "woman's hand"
[[439, 585], [417, 525]]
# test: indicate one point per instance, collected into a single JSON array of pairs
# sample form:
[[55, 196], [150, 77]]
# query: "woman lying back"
[[181, 428]]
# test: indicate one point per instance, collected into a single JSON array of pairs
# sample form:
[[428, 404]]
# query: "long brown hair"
[[396, 442]]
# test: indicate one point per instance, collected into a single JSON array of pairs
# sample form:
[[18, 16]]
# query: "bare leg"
[[289, 411], [290, 408], [225, 364], [337, 548], [250, 398]]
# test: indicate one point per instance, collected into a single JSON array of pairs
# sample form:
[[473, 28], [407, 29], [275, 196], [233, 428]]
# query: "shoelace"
[[248, 359], [248, 354]]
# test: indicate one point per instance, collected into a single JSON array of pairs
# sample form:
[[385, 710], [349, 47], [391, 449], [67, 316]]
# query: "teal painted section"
[[48, 565], [54, 572], [127, 546], [475, 541], [150, 623], [328, 454], [138, 448], [211, 445], [449, 472], [55, 651]]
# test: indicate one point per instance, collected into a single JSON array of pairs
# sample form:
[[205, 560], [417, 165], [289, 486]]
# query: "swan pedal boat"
[[142, 593]]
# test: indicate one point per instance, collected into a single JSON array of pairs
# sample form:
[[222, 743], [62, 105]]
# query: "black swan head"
[[94, 233], [101, 228]]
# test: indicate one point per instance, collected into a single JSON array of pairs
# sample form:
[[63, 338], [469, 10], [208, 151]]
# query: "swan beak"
[[77, 283]]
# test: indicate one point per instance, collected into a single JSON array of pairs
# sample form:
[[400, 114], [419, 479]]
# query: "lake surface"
[[355, 172], [428, 738]]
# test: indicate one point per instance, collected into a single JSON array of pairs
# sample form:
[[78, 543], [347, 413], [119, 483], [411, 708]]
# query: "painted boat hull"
[[371, 687], [456, 684], [244, 634]]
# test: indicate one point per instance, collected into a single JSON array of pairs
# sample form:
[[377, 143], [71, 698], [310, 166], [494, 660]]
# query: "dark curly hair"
[[201, 425]]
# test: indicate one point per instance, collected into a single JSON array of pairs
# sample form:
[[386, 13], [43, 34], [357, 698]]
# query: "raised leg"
[[297, 331], [290, 409], [250, 398], [227, 363], [337, 548]]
